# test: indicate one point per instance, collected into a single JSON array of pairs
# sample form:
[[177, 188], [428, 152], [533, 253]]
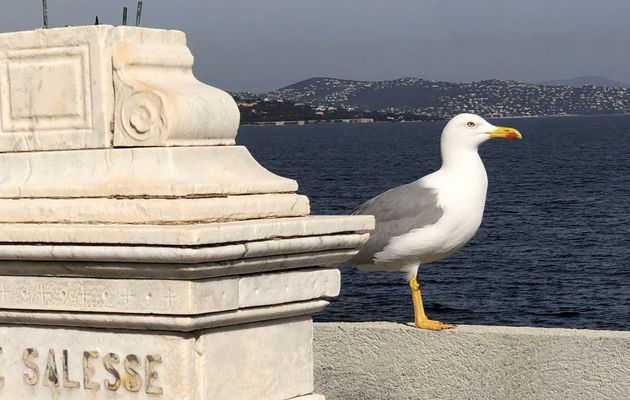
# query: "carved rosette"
[[142, 116]]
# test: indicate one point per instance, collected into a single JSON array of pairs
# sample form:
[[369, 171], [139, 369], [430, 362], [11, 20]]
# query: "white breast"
[[462, 196]]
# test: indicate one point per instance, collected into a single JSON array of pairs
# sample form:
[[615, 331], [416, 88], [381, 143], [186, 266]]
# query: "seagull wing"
[[397, 212]]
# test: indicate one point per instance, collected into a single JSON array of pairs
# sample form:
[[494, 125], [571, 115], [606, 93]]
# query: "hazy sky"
[[260, 45]]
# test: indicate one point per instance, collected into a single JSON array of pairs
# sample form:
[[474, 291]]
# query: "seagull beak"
[[505, 133]]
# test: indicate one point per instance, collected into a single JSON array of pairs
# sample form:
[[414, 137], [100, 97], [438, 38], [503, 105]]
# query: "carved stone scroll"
[[158, 101]]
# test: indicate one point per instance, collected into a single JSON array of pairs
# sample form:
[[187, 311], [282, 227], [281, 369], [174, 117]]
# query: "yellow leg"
[[420, 318]]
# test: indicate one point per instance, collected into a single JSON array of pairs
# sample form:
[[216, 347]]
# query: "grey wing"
[[397, 211]]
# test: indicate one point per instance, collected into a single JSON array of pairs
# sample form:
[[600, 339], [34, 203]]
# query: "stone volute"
[[144, 255]]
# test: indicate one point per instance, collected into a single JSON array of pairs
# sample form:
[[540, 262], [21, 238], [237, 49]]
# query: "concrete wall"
[[382, 360]]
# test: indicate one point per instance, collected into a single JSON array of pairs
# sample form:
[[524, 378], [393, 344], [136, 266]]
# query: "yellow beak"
[[505, 133]]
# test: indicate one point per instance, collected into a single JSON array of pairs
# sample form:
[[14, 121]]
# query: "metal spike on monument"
[[45, 13], [139, 13]]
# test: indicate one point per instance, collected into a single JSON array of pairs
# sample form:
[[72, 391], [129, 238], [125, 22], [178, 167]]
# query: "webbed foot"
[[433, 325]]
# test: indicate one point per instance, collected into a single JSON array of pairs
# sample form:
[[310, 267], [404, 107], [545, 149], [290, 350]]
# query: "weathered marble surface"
[[65, 86], [153, 211], [178, 270], [180, 254], [275, 361], [102, 88], [155, 172], [166, 297], [142, 254], [265, 360], [56, 89], [46, 363], [186, 235], [183, 323], [158, 100]]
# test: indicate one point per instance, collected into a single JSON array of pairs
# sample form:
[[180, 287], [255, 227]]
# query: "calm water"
[[554, 245]]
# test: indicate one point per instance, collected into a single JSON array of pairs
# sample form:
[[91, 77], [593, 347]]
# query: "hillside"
[[436, 99], [587, 81], [257, 110]]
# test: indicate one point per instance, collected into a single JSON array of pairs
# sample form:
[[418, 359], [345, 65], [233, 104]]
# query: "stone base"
[[179, 312], [265, 360], [143, 255]]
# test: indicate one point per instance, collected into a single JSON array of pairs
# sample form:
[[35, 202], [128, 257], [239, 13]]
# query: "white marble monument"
[[143, 255]]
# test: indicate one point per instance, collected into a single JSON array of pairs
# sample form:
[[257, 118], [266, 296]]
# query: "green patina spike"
[[45, 11], [124, 21], [139, 13]]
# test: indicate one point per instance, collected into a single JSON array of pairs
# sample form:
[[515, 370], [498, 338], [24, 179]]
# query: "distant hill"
[[587, 81], [399, 93], [259, 110], [437, 99]]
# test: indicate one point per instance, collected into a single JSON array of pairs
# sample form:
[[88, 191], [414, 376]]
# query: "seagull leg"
[[420, 318]]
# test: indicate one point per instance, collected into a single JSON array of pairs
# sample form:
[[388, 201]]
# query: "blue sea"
[[554, 246]]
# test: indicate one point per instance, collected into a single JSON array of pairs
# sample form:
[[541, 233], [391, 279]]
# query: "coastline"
[[373, 121], [313, 122]]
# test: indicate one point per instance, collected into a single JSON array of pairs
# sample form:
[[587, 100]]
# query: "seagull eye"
[[470, 124]]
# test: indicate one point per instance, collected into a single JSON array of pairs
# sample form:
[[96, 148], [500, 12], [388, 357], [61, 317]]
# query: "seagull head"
[[468, 131]]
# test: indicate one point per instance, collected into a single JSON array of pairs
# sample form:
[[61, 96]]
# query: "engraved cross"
[[44, 293], [128, 296], [170, 297]]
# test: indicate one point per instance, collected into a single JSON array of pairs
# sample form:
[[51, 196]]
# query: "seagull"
[[433, 217]]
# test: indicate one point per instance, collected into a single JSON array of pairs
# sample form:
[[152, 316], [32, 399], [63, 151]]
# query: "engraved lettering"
[[28, 357], [131, 378], [108, 361], [51, 376], [88, 370], [127, 372], [67, 383], [151, 374]]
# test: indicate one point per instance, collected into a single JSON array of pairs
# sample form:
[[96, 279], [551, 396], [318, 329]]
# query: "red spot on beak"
[[511, 135]]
